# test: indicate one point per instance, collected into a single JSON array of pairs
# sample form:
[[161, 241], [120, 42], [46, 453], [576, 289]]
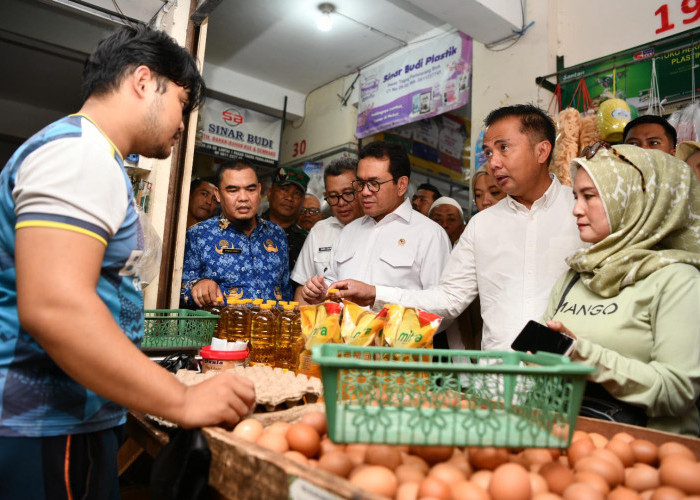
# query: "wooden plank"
[[127, 455]]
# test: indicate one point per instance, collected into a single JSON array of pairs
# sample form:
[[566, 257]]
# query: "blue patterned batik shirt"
[[245, 267]]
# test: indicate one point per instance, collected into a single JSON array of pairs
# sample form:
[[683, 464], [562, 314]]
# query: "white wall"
[[326, 123]]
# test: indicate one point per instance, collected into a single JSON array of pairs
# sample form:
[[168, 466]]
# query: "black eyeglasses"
[[334, 199], [309, 211], [590, 151], [373, 185]]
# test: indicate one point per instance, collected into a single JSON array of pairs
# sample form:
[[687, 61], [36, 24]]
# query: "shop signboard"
[[416, 83], [628, 73], [228, 131]]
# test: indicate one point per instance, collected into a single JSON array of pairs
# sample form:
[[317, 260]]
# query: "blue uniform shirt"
[[247, 267]]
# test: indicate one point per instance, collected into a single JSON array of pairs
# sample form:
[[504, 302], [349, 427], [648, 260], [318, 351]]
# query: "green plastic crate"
[[449, 397], [180, 328]]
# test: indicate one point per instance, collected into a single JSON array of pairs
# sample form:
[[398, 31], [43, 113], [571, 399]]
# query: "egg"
[[407, 491], [304, 439], [642, 477], [598, 439], [602, 467], [510, 482], [622, 493], [296, 457], [537, 456], [579, 435], [594, 480], [538, 484], [336, 462], [249, 429], [407, 473], [558, 476], [582, 491], [273, 441], [624, 436], [467, 490], [432, 454], [482, 478], [356, 452], [488, 457], [415, 461], [382, 454], [328, 445], [447, 473], [579, 449], [623, 450], [645, 451], [461, 462], [546, 496], [278, 427], [435, 488], [317, 420], [674, 448], [667, 493], [681, 473], [376, 479]]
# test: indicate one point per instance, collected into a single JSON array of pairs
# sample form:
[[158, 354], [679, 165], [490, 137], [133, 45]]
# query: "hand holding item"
[[314, 290], [205, 292], [559, 327], [225, 399], [356, 291]]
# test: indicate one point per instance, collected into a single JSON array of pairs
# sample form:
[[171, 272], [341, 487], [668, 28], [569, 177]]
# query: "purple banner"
[[415, 83]]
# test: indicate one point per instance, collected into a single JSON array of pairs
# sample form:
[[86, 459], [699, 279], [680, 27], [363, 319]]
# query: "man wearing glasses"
[[511, 254], [310, 212], [392, 245], [315, 255]]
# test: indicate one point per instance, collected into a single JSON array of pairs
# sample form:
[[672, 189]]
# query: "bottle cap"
[[288, 307], [332, 290], [265, 306], [257, 301], [219, 300]]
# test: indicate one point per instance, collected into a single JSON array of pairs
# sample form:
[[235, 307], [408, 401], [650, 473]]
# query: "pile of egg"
[[593, 468]]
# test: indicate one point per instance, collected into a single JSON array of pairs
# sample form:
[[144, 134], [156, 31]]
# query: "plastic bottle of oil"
[[216, 308], [262, 337], [286, 351], [225, 317], [239, 322]]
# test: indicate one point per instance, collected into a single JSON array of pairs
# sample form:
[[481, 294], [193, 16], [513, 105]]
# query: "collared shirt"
[[296, 235], [315, 255], [511, 257], [244, 266], [404, 249]]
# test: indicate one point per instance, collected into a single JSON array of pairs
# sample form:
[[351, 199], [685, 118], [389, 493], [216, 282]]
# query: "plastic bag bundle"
[[567, 144], [149, 265], [687, 122]]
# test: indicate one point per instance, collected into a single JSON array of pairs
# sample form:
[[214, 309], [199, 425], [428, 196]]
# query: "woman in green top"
[[632, 298]]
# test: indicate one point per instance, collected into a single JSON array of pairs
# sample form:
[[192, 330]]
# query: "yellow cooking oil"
[[262, 337]]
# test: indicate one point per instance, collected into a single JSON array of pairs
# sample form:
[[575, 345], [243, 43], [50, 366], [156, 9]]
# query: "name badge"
[[325, 249], [232, 250]]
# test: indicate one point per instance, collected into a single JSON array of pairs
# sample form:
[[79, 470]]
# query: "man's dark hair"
[[658, 120], [241, 164], [399, 165], [339, 167], [431, 188], [533, 122], [131, 46], [198, 181]]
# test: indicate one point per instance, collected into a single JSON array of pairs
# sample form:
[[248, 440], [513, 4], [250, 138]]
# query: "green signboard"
[[628, 73]]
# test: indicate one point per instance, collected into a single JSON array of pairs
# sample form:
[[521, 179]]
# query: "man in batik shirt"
[[238, 254]]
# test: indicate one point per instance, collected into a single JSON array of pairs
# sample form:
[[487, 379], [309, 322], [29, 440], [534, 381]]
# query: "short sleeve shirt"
[[68, 176]]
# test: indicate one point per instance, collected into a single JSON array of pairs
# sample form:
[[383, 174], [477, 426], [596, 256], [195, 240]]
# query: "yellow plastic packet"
[[320, 324], [361, 326], [410, 327]]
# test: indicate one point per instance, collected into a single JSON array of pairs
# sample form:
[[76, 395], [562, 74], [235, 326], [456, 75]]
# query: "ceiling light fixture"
[[325, 23]]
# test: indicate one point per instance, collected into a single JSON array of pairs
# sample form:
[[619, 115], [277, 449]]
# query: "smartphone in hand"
[[536, 337]]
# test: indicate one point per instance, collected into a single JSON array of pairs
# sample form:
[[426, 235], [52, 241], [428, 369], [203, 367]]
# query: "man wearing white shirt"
[[511, 254], [392, 245], [315, 255]]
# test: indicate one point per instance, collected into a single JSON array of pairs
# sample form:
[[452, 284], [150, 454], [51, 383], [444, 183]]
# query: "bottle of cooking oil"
[[239, 322], [262, 337], [224, 317], [216, 308], [286, 355]]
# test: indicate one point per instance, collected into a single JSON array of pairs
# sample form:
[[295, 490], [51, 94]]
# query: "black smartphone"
[[536, 337]]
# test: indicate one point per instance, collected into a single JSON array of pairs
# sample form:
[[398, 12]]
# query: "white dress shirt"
[[511, 257], [315, 255], [404, 249]]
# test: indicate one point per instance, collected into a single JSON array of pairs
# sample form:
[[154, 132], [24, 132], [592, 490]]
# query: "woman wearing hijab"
[[632, 298]]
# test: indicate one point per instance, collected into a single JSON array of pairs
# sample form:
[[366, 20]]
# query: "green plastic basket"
[[448, 397], [177, 328]]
